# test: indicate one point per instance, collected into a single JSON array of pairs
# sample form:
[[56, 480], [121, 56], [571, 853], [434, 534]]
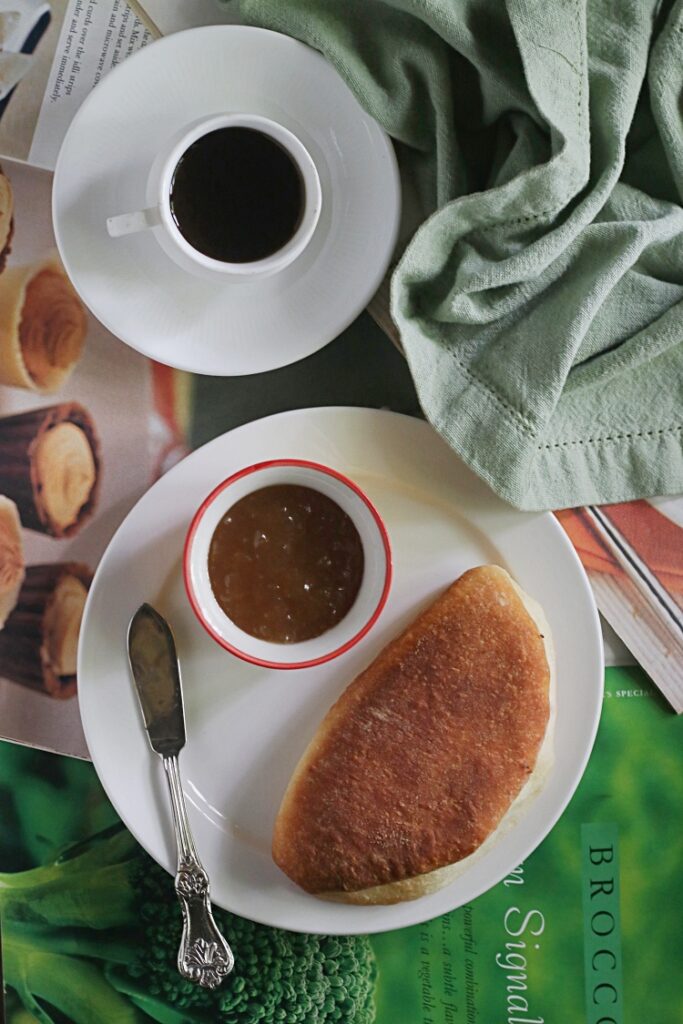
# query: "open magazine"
[[583, 932], [547, 943], [72, 400], [633, 553], [51, 56]]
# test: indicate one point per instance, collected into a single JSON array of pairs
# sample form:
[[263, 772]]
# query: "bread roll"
[[428, 753]]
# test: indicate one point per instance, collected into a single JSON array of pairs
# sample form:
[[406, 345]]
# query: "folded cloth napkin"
[[540, 304]]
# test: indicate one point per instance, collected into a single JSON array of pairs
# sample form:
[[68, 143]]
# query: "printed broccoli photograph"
[[90, 924], [90, 931]]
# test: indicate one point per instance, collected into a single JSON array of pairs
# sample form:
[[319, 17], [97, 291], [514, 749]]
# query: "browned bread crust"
[[423, 754]]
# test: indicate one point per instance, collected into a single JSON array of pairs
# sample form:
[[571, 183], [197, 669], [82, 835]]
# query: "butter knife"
[[204, 955]]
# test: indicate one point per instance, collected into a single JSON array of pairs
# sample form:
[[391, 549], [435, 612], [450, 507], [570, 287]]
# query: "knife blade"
[[154, 664]]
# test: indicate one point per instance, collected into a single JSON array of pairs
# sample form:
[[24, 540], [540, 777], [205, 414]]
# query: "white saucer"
[[136, 290], [247, 726]]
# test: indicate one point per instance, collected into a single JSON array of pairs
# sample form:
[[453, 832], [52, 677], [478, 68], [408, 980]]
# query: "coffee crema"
[[285, 563], [237, 195]]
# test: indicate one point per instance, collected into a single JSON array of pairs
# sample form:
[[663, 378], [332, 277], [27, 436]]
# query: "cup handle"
[[129, 223]]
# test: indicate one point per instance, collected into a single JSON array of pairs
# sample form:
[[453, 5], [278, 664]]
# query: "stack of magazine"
[[580, 931]]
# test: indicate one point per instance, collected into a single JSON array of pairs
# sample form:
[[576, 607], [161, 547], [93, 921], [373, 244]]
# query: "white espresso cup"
[[158, 216]]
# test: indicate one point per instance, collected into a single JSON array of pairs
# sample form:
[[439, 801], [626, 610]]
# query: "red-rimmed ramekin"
[[375, 584]]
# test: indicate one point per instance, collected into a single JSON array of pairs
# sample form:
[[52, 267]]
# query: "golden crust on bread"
[[423, 754]]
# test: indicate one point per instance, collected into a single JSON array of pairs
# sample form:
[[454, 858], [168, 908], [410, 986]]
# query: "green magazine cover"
[[588, 929]]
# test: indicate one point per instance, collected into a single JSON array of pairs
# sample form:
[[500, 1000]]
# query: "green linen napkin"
[[540, 304]]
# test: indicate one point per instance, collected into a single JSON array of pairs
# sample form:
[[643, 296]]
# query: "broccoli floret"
[[94, 938]]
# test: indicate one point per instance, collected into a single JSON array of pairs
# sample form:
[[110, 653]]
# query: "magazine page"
[[633, 553], [560, 938], [72, 399], [162, 17], [51, 56], [582, 932]]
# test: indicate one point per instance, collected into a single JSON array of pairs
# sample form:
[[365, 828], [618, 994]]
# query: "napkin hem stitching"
[[643, 434], [524, 422]]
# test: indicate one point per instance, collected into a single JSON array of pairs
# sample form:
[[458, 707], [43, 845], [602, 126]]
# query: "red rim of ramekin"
[[196, 519]]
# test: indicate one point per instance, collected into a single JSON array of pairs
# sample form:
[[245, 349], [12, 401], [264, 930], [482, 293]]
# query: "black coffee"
[[237, 195]]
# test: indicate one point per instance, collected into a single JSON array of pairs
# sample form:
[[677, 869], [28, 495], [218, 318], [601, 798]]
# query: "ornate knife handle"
[[204, 956]]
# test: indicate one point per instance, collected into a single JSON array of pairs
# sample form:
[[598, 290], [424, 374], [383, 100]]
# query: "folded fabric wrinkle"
[[540, 302]]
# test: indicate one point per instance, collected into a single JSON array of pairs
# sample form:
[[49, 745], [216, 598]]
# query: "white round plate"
[[247, 726], [136, 290]]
